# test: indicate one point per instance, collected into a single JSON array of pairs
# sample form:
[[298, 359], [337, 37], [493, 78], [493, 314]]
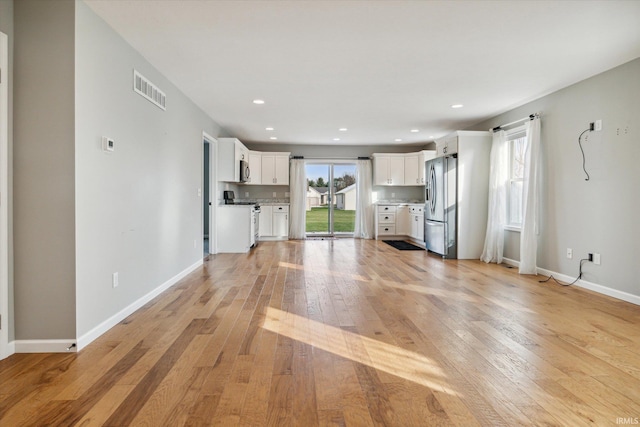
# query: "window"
[[517, 145]]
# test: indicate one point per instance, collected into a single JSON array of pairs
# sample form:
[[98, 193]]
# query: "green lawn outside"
[[318, 220]]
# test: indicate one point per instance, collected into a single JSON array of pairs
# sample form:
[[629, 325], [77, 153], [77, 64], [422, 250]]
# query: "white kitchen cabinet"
[[403, 217], [280, 224], [274, 222], [275, 168], [398, 219], [266, 221], [412, 173], [388, 169], [446, 146], [255, 167], [417, 223], [230, 152]]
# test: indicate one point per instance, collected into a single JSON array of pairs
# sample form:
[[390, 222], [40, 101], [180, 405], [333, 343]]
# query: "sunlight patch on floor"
[[323, 270], [379, 355]]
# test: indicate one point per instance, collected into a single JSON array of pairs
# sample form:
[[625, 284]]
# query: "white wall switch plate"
[[569, 253], [114, 280], [108, 144], [596, 259]]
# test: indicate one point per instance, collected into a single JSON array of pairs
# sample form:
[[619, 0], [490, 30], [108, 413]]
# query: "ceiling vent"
[[148, 90]]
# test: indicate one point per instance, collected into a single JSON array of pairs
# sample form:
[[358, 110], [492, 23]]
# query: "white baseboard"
[[624, 296], [103, 327], [44, 346]]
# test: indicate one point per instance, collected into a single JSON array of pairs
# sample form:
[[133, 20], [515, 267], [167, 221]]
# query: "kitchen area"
[[435, 199], [253, 201]]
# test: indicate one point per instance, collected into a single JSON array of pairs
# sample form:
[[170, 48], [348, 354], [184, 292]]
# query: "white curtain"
[[530, 200], [298, 201], [497, 213], [364, 226]]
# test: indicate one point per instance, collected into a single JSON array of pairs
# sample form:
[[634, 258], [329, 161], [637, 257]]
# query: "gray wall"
[[6, 26], [138, 209], [599, 215], [44, 217]]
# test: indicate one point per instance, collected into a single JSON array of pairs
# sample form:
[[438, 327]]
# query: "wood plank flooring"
[[344, 332]]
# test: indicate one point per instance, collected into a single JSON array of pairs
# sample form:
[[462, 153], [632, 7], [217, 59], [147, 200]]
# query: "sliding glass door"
[[331, 198]]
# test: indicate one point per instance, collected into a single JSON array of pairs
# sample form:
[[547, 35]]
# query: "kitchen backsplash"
[[398, 194], [265, 193]]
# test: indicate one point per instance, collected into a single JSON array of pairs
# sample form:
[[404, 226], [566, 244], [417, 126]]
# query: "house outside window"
[[517, 140]]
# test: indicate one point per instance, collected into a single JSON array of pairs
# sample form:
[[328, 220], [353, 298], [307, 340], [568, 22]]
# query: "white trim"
[[5, 349], [103, 327], [621, 295], [45, 346]]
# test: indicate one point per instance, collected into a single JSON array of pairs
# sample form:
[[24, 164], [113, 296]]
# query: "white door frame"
[[5, 350], [213, 190]]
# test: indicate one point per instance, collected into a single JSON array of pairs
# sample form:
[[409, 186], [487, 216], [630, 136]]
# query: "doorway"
[[331, 198], [209, 195]]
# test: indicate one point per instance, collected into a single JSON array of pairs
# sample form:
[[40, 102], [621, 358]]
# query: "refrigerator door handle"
[[432, 184]]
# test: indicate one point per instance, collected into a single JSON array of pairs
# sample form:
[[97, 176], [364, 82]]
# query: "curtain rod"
[[529, 117]]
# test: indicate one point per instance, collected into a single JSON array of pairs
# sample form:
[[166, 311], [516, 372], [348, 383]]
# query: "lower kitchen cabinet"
[[394, 220], [274, 222]]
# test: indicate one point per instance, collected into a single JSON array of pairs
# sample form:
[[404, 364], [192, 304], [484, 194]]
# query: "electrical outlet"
[[596, 259], [598, 126], [114, 280], [246, 194], [199, 192], [393, 195], [195, 243], [274, 195], [569, 253]]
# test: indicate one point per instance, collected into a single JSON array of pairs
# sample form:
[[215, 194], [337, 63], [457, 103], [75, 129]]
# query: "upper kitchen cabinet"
[[446, 146], [388, 169], [275, 168], [423, 157], [255, 167], [230, 152], [412, 175]]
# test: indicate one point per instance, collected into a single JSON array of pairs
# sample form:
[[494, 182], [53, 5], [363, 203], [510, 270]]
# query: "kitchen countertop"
[[399, 202]]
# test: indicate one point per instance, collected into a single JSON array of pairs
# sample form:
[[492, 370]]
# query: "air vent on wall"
[[148, 90]]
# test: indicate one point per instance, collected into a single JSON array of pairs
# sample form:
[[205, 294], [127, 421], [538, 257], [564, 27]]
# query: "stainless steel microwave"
[[245, 172]]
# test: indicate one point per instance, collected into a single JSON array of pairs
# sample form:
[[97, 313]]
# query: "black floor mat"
[[403, 246]]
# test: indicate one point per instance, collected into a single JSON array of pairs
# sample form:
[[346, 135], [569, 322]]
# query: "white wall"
[[138, 212], [599, 215]]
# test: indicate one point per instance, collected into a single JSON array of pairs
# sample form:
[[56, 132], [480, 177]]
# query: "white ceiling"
[[378, 68]]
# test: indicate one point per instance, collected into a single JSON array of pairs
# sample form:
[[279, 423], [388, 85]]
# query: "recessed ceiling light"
[[457, 106], [431, 136], [414, 130], [336, 139], [268, 128], [258, 101], [342, 129], [398, 140], [273, 137]]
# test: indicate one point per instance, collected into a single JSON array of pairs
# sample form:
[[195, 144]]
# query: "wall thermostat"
[[108, 144]]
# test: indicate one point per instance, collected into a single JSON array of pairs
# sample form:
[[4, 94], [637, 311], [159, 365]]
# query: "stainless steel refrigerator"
[[441, 206]]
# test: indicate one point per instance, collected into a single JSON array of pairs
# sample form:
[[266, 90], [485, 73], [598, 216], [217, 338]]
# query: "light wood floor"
[[344, 332]]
